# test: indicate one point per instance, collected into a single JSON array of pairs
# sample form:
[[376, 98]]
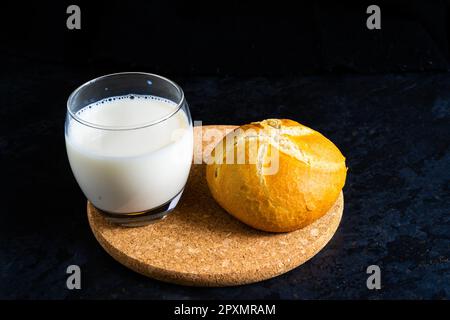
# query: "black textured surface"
[[393, 129]]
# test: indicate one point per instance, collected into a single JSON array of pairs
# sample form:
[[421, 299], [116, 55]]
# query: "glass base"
[[142, 218]]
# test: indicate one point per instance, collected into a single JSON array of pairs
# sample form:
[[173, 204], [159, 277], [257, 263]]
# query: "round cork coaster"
[[200, 244]]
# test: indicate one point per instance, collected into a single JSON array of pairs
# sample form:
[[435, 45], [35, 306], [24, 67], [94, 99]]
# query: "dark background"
[[231, 38], [381, 95]]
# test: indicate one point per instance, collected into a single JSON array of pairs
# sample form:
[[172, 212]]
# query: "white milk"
[[133, 170]]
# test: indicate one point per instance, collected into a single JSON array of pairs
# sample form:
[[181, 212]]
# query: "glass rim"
[[128, 127]]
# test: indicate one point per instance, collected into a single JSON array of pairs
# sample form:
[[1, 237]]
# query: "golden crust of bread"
[[311, 173]]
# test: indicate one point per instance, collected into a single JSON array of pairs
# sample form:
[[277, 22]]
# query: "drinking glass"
[[129, 140]]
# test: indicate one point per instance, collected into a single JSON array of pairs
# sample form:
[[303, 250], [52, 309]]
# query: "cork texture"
[[200, 244]]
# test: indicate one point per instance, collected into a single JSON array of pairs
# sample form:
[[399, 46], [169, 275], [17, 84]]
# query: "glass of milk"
[[129, 141]]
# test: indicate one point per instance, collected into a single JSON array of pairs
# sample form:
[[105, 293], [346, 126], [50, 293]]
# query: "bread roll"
[[291, 175]]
